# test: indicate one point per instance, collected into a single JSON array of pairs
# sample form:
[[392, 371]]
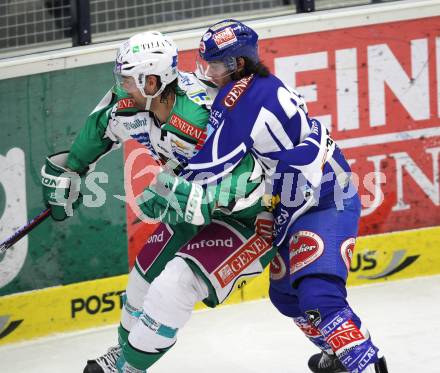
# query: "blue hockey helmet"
[[229, 38]]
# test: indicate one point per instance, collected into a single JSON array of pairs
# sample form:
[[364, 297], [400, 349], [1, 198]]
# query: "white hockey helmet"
[[147, 53]]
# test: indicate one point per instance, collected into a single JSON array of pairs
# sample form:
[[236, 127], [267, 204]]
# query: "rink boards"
[[372, 74], [385, 257]]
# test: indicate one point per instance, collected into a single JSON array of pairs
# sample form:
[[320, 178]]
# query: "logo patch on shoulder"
[[237, 91], [185, 127], [126, 103]]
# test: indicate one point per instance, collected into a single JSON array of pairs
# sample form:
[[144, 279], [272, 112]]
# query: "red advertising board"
[[377, 88]]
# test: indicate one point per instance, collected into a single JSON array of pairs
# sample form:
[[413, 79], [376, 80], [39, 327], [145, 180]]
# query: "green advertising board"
[[40, 114]]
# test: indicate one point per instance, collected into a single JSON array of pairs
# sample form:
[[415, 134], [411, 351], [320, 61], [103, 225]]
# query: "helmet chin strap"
[[140, 84], [150, 97]]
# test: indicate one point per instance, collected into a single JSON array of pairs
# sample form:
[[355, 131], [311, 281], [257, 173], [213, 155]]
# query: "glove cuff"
[[197, 210], [58, 161], [54, 180]]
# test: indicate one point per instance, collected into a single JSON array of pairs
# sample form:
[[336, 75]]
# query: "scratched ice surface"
[[403, 318]]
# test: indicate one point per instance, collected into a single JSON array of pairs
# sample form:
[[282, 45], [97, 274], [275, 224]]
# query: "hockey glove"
[[174, 200], [60, 186]]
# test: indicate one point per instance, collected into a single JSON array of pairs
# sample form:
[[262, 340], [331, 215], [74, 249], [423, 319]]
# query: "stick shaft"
[[23, 231]]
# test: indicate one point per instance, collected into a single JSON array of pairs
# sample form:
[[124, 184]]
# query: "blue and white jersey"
[[263, 116]]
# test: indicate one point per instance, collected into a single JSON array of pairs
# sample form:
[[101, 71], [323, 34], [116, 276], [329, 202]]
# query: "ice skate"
[[329, 363], [325, 363], [105, 363]]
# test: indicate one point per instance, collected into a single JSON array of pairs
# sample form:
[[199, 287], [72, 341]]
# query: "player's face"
[[221, 81], [217, 72], [127, 83]]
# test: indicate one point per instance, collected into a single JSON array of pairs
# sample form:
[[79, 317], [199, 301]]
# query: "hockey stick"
[[23, 231]]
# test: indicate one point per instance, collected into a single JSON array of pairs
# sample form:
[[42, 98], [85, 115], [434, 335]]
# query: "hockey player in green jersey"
[[167, 111]]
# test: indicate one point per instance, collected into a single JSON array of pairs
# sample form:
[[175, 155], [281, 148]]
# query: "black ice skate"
[[326, 363], [105, 363], [381, 366]]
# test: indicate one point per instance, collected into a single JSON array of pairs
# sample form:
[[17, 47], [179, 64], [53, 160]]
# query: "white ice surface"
[[403, 318]]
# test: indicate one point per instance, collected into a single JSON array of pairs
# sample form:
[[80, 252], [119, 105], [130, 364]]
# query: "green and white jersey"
[[116, 119]]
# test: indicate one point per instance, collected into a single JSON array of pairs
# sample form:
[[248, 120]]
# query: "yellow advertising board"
[[395, 256], [390, 256], [60, 309]]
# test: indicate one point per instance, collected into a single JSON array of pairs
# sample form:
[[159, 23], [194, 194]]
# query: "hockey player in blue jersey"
[[316, 207]]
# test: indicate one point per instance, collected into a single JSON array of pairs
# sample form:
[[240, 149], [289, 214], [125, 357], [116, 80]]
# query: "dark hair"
[[251, 67], [172, 87]]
